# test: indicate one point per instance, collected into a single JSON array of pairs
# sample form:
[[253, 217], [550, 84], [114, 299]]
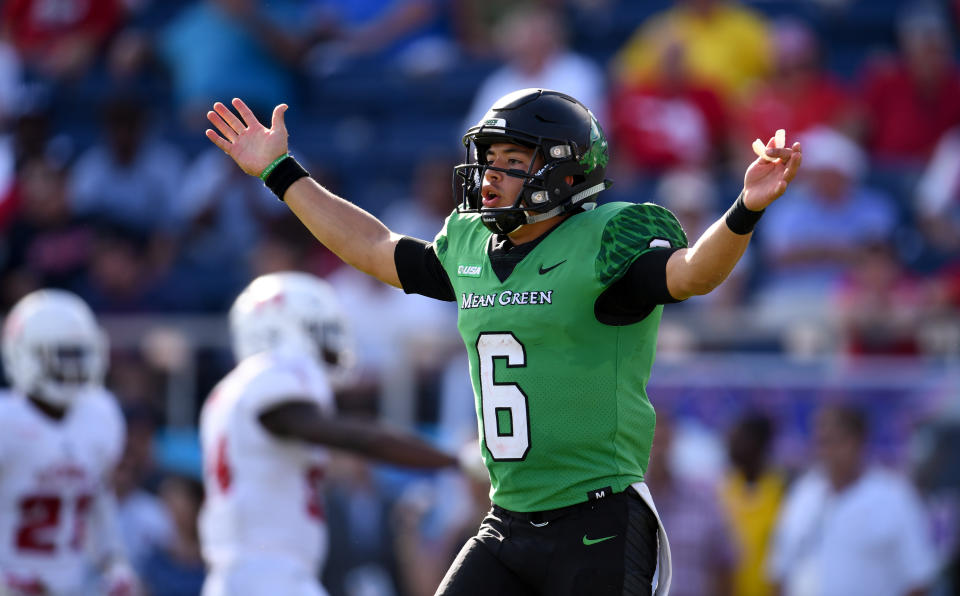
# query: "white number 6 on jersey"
[[506, 427]]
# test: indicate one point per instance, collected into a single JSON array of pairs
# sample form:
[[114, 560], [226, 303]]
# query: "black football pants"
[[597, 548]]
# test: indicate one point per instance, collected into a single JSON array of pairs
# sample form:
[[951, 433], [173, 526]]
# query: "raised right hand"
[[249, 143]]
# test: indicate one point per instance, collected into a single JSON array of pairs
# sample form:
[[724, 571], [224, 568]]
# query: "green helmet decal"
[[597, 155]]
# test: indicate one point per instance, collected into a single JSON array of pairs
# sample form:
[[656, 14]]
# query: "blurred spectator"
[[811, 240], [458, 415], [476, 22], [797, 96], [879, 307], [30, 141], [726, 45], [145, 524], [8, 187], [942, 333], [61, 39], [45, 245], [26, 137], [286, 247], [421, 215], [177, 569], [220, 218], [214, 50], [129, 178], [700, 542], [32, 136], [752, 493], [911, 99], [936, 206], [11, 81], [532, 42], [435, 519], [414, 36], [120, 279], [358, 517], [667, 119], [847, 527], [139, 385], [938, 479]]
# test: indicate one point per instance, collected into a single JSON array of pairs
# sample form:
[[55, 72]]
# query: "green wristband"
[[266, 171]]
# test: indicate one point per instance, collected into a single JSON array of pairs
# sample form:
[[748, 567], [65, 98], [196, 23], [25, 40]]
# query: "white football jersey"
[[263, 494], [50, 474]]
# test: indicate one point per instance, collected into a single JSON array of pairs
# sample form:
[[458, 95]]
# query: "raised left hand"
[[766, 180]]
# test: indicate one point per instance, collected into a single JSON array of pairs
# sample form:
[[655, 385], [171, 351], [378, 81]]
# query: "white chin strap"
[[583, 194]]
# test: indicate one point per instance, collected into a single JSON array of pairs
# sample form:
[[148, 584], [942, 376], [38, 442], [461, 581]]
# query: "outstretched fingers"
[[245, 112], [221, 125], [219, 141], [229, 117]]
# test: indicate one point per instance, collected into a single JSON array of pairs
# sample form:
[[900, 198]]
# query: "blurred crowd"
[[108, 188]]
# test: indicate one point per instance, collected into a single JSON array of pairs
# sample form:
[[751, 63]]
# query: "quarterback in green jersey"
[[559, 303]]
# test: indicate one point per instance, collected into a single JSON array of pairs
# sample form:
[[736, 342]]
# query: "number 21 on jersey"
[[506, 425], [41, 517]]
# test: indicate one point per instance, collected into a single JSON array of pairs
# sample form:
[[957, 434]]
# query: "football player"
[[61, 434], [264, 429], [559, 304]]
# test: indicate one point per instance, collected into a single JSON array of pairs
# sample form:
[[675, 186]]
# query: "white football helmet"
[[53, 348], [292, 310]]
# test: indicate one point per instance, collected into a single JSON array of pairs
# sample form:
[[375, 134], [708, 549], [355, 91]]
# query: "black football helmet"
[[569, 141]]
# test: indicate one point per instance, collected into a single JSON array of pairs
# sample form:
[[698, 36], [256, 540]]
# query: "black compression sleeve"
[[634, 296], [420, 271]]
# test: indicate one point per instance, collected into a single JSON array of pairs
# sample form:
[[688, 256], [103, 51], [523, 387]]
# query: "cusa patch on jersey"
[[469, 270]]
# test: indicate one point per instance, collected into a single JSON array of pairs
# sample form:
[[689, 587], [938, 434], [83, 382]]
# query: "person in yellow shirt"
[[751, 494], [726, 46]]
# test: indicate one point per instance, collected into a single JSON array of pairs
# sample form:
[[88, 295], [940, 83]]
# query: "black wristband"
[[741, 220], [283, 175]]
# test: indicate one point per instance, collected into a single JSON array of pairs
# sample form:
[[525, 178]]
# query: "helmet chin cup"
[[502, 222]]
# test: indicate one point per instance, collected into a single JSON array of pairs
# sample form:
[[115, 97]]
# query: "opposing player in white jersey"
[[61, 434], [263, 430]]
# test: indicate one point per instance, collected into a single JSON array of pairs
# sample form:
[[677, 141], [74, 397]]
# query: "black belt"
[[542, 518]]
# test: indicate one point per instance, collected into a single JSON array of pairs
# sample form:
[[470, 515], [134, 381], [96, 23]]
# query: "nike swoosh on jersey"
[[551, 268], [588, 541]]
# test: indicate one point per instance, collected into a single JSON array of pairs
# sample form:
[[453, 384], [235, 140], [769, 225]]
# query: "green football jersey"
[[561, 398]]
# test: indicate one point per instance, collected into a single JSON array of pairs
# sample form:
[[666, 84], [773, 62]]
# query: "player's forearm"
[[354, 235], [379, 442], [702, 267], [303, 421], [400, 449]]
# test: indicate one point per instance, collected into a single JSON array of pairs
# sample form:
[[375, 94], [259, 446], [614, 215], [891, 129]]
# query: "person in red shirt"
[[60, 38], [799, 95], [912, 99], [667, 120]]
